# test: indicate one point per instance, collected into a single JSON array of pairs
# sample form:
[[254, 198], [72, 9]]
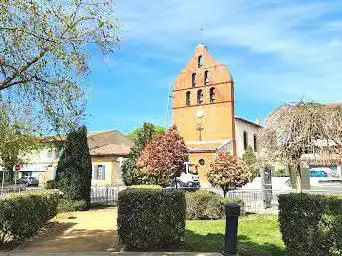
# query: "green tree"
[[43, 52], [131, 174], [17, 138], [74, 170], [250, 162], [164, 156], [227, 172], [135, 133]]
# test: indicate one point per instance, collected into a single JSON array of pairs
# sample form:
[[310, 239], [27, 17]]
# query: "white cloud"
[[302, 39]]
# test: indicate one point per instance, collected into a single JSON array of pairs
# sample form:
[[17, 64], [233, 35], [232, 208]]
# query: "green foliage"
[[74, 168], [67, 205], [23, 214], [17, 137], [280, 173], [250, 162], [164, 156], [151, 219], [43, 52], [136, 133], [132, 175], [50, 184], [311, 225], [204, 205]]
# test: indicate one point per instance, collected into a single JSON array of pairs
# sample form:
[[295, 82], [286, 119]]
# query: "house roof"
[[100, 139], [248, 122], [101, 142], [338, 104], [110, 149]]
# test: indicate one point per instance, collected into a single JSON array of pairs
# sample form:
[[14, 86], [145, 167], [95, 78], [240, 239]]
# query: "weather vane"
[[201, 34]]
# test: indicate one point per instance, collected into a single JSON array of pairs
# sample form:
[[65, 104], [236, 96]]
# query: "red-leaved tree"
[[163, 157], [227, 172]]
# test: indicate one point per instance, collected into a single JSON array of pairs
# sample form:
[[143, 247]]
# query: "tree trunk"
[[224, 192], [299, 179], [9, 175]]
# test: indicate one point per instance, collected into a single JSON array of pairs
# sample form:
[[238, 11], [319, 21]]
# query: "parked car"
[[29, 181], [188, 179], [318, 173]]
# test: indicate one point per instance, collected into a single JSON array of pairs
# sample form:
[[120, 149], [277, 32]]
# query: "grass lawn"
[[258, 236]]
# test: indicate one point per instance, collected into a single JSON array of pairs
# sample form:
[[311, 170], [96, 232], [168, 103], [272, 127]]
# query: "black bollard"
[[232, 217]]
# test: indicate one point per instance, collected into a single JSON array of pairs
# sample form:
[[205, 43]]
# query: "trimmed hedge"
[[23, 214], [311, 225], [68, 205], [50, 184], [151, 218], [205, 205]]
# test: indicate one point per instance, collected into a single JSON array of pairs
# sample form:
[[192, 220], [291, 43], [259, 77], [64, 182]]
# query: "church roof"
[[247, 121]]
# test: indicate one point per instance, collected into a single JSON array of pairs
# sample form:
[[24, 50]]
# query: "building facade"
[[203, 110], [107, 150]]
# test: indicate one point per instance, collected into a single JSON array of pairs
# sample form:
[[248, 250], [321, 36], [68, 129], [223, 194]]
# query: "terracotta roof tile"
[[110, 149]]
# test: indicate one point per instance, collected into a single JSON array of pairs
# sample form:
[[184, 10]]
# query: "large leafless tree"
[[297, 134]]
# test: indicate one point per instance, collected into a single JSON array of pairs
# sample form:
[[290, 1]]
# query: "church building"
[[203, 110]]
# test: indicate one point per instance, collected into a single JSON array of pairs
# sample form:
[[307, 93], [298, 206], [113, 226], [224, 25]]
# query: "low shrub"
[[151, 218], [311, 225], [142, 186], [50, 184], [23, 214], [68, 205], [204, 205]]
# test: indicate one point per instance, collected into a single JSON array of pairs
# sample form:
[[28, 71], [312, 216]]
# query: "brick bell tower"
[[203, 109]]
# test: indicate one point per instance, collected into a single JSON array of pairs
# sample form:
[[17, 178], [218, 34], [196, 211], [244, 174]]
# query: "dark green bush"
[[311, 225], [74, 169], [23, 214], [151, 219], [203, 204], [50, 184], [67, 205]]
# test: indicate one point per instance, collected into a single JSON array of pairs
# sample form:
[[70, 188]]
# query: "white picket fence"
[[11, 190], [106, 195]]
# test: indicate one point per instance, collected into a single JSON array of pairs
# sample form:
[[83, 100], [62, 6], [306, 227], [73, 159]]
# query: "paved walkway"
[[90, 231]]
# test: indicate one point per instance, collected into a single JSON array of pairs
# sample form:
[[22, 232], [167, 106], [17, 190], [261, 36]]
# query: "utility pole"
[[169, 96]]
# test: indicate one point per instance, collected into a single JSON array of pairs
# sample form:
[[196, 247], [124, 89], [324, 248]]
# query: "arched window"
[[200, 61], [199, 97], [255, 143], [245, 140], [193, 80], [212, 95], [206, 77], [188, 98]]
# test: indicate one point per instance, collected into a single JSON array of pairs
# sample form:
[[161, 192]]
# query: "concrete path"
[[90, 231]]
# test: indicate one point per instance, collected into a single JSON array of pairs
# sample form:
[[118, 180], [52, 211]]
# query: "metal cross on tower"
[[200, 128]]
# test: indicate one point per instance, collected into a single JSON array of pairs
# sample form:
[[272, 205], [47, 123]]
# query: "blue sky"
[[277, 51]]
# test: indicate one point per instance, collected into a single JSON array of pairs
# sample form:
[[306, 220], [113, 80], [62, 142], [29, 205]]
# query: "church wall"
[[202, 169]]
